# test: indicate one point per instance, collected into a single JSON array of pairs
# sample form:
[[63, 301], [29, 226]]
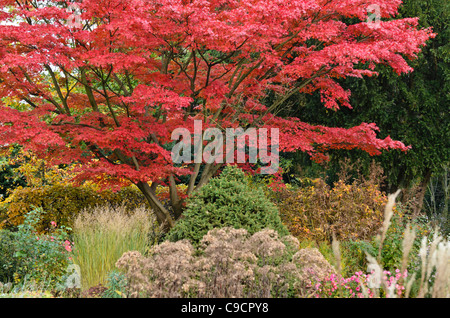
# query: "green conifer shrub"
[[226, 201]]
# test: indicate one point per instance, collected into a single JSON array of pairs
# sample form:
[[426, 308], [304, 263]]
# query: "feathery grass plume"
[[435, 260], [388, 213], [431, 260], [337, 254], [423, 262], [409, 283], [441, 287], [102, 234], [337, 258], [408, 241], [432, 255], [407, 244]]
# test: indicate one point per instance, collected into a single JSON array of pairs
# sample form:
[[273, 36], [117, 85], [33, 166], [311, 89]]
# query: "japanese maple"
[[105, 83]]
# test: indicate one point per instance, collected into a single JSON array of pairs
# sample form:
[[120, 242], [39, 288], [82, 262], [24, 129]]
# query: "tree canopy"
[[105, 83]]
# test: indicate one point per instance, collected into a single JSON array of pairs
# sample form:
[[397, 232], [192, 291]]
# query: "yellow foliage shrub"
[[36, 172], [351, 211], [62, 203]]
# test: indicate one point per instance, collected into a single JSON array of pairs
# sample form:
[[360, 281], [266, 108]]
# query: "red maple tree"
[[105, 83]]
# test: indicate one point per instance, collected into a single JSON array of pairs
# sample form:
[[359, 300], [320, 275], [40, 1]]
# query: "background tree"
[[412, 107], [9, 179], [105, 84]]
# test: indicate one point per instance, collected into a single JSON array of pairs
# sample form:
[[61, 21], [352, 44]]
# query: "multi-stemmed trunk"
[[168, 212]]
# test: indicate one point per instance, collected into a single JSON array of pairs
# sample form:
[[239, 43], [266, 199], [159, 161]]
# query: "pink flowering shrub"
[[361, 285]]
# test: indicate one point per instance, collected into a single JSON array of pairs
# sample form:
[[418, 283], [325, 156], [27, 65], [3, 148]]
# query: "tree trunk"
[[163, 216], [175, 201]]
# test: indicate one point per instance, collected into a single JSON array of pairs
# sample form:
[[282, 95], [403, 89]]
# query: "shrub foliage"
[[227, 263], [62, 203], [350, 211], [227, 201]]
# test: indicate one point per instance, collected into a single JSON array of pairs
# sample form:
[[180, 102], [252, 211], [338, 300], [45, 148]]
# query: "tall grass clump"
[[102, 234]]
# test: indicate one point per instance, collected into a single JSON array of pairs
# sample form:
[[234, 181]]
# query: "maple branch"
[[162, 214], [193, 178], [30, 102], [238, 66], [105, 94], [87, 89], [125, 106], [61, 123], [235, 86], [58, 89], [130, 85], [122, 85], [194, 76], [210, 170], [111, 110], [174, 198], [165, 60], [185, 64], [183, 67], [244, 76], [209, 68], [69, 89], [39, 93], [292, 91]]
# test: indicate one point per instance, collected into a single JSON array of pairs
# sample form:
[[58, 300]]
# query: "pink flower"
[[53, 223], [67, 246]]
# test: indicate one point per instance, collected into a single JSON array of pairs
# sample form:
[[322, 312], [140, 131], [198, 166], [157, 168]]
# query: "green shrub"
[[354, 256], [62, 203], [226, 201], [116, 284], [37, 258], [8, 263], [391, 252]]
